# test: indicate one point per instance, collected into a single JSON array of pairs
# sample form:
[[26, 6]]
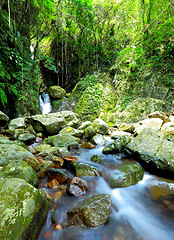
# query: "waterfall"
[[45, 103]]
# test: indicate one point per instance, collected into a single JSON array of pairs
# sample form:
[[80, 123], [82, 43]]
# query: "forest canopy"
[[65, 40]]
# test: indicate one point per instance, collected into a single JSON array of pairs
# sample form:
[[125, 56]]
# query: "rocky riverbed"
[[39, 163]]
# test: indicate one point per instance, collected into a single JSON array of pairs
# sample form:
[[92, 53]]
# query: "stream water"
[[144, 211]]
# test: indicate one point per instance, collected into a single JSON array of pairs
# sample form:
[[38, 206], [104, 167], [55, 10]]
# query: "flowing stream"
[[144, 211]]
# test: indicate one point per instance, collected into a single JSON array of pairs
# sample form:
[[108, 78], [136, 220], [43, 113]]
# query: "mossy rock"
[[17, 123], [118, 145], [126, 175], [91, 211], [23, 210], [57, 92], [60, 140], [12, 152], [89, 132], [100, 126], [20, 170], [80, 169], [153, 151]]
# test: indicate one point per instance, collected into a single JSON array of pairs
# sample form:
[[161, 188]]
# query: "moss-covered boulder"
[[151, 122], [12, 152], [153, 151], [26, 137], [84, 125], [17, 123], [50, 123], [80, 169], [91, 211], [100, 126], [42, 147], [33, 162], [23, 210], [60, 140], [118, 145], [21, 170], [89, 132], [57, 92], [126, 175]]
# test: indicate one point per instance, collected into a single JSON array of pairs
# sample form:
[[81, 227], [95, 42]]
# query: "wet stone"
[[45, 168], [96, 158], [53, 184], [59, 174], [92, 211], [77, 186]]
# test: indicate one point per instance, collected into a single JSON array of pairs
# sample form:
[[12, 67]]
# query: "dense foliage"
[[59, 42]]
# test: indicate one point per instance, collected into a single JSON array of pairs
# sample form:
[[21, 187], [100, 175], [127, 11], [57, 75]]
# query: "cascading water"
[[45, 103], [143, 211]]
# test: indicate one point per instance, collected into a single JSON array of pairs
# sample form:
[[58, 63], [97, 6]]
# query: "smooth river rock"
[[91, 211]]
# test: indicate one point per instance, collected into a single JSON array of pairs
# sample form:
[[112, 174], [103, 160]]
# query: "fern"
[[3, 96]]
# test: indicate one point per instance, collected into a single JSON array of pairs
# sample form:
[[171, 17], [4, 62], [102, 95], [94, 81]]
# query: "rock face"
[[12, 152], [126, 175], [92, 211], [23, 210], [153, 151], [100, 126], [56, 92], [20, 170]]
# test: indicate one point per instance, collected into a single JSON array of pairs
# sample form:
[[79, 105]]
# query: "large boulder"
[[3, 118], [126, 175], [56, 92], [100, 126], [60, 140], [12, 152], [23, 210], [21, 170], [89, 132], [150, 122], [50, 123], [26, 137], [153, 151], [92, 211], [17, 123]]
